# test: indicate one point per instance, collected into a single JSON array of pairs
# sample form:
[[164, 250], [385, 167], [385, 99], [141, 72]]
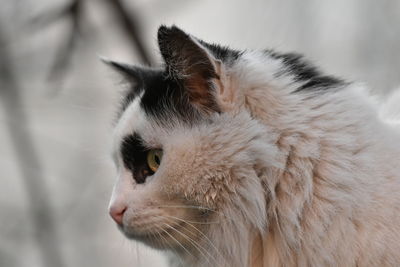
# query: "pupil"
[[157, 159]]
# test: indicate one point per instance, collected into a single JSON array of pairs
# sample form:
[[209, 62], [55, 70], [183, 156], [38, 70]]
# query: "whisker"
[[197, 207], [138, 254], [159, 231], [187, 206], [196, 245], [206, 238], [179, 243], [193, 222]]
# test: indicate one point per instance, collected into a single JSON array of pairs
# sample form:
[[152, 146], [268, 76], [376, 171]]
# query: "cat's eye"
[[154, 157]]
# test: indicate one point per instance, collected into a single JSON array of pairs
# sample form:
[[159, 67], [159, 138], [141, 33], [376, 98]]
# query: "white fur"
[[390, 110]]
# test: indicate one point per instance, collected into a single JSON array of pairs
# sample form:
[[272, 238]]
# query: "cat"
[[253, 158]]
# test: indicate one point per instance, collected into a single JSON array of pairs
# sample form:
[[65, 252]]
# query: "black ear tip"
[[105, 60], [168, 32], [118, 66], [162, 29], [127, 70], [114, 64]]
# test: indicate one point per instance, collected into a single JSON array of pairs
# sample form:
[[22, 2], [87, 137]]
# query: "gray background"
[[54, 194]]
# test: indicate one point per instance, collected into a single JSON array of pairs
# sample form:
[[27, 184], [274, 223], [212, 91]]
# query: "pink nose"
[[117, 212]]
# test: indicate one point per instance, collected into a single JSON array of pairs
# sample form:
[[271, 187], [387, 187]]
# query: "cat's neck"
[[327, 144]]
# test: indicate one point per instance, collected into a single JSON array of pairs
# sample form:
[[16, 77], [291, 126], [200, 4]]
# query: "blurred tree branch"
[[74, 12], [17, 123], [45, 228], [64, 54], [130, 24]]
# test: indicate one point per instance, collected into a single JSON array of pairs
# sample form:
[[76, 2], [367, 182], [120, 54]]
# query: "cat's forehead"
[[134, 124], [160, 97], [153, 108], [131, 120]]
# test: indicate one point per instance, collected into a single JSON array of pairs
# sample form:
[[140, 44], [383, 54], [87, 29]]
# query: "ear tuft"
[[131, 73], [120, 67]]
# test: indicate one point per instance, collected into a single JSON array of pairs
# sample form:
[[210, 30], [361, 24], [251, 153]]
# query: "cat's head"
[[187, 150]]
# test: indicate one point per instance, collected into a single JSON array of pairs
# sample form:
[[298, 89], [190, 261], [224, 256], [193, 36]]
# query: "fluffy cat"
[[253, 158]]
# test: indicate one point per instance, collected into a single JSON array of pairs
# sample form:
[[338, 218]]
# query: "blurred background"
[[57, 101]]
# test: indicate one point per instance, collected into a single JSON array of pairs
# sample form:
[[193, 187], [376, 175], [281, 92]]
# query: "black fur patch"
[[134, 76], [134, 156], [165, 99], [305, 73]]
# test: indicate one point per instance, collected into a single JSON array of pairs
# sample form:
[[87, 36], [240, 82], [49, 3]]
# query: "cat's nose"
[[117, 212]]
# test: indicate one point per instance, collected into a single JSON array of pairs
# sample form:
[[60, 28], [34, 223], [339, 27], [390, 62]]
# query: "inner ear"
[[193, 65]]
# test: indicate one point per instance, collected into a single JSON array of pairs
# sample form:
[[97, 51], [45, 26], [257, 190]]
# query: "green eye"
[[154, 157]]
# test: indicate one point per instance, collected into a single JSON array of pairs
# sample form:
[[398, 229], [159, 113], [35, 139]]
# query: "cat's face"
[[184, 148]]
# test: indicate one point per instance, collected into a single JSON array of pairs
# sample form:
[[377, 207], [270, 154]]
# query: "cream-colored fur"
[[336, 201], [285, 179]]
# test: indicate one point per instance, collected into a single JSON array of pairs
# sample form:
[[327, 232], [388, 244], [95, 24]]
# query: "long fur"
[[307, 178], [335, 203], [332, 198]]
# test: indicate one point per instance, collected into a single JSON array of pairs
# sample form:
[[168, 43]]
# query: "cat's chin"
[[149, 240], [162, 240]]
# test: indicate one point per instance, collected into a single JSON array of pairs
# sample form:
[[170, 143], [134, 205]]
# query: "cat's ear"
[[188, 61], [130, 73]]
